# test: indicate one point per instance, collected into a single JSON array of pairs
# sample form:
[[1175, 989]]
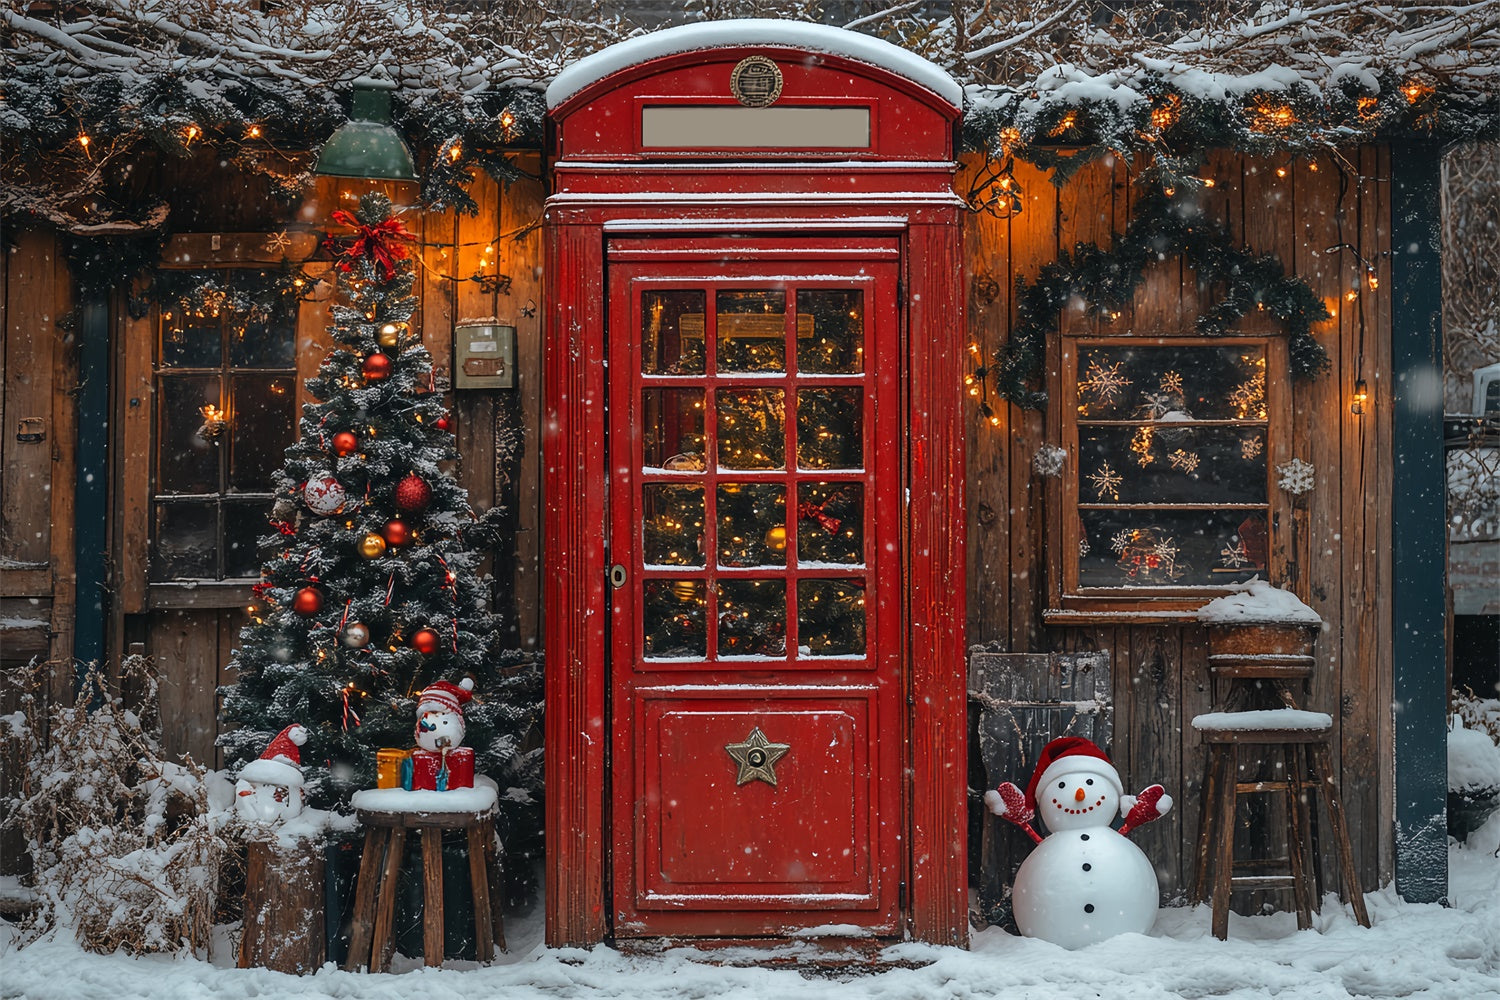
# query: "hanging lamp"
[[368, 145]]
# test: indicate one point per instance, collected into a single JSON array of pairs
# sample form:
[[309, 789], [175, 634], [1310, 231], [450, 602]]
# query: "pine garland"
[[1107, 279]]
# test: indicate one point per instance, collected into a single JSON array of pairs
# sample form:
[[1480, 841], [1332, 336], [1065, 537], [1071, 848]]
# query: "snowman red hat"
[[281, 763], [442, 696], [1071, 755]]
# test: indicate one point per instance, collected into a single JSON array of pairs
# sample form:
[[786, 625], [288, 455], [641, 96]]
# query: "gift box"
[[388, 763], [440, 770]]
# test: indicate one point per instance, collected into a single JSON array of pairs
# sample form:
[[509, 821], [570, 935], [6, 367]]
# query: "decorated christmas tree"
[[370, 587]]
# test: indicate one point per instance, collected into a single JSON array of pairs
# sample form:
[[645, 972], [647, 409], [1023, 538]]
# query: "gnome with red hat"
[[439, 762], [1085, 882], [269, 789]]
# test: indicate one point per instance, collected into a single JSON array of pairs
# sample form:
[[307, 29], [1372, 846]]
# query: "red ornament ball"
[[425, 641], [397, 532], [443, 423], [345, 443], [377, 366], [413, 494], [308, 601]]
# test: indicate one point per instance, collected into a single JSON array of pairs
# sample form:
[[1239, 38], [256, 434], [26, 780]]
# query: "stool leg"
[[1207, 811], [1224, 829], [432, 896], [479, 882], [363, 923], [1308, 845], [497, 885], [1324, 766], [385, 915], [1295, 851]]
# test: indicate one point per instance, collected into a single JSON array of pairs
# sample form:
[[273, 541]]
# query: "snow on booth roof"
[[753, 31], [1256, 602]]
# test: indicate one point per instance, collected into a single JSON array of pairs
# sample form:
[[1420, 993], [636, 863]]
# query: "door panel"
[[755, 462]]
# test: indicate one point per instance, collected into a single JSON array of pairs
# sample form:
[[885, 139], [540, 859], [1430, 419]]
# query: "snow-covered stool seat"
[[387, 814], [1302, 740]]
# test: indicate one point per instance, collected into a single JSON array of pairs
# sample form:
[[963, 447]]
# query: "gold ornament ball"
[[685, 590], [390, 335], [776, 538], [372, 546]]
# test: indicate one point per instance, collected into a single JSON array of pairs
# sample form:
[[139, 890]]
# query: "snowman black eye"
[[1089, 781], [1062, 784]]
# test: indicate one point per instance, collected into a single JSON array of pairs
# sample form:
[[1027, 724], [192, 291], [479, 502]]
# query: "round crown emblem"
[[755, 82]]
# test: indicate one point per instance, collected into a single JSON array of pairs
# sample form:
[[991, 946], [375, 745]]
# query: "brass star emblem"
[[757, 757]]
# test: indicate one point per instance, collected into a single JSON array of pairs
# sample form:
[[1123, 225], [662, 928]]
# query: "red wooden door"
[[755, 536]]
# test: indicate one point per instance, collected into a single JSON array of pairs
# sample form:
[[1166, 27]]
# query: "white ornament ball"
[[1080, 887], [437, 730], [324, 495]]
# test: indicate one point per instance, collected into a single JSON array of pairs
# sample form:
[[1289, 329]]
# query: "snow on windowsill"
[[1256, 602], [1272, 718]]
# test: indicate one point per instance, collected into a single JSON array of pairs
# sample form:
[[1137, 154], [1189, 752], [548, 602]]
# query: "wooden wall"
[[1340, 558]]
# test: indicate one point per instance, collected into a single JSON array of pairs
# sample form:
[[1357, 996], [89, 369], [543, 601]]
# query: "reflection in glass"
[[751, 331], [752, 618], [190, 341], [672, 532], [835, 344], [188, 447], [244, 523], [186, 542], [263, 411], [752, 524], [831, 617], [672, 332], [829, 428], [270, 342], [751, 428], [672, 429], [1170, 548], [830, 523], [673, 619]]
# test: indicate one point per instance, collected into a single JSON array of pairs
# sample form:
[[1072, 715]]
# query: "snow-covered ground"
[[1425, 951]]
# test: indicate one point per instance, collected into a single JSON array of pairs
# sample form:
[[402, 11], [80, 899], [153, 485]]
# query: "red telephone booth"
[[754, 491]]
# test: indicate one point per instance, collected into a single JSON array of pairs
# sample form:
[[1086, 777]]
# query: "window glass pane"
[[672, 532], [751, 331], [1170, 548], [672, 617], [829, 423], [672, 332], [831, 331], [752, 524], [831, 617], [751, 428], [752, 618], [672, 429], [189, 341], [186, 542], [263, 419], [830, 523], [1170, 383], [1171, 463], [188, 440], [265, 341], [245, 521]]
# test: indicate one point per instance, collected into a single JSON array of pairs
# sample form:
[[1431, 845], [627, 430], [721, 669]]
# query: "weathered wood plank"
[[26, 476], [1154, 739], [1383, 650], [476, 409], [1196, 699], [185, 645], [137, 391], [64, 474]]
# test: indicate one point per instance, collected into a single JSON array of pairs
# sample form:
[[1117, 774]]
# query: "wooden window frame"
[[1070, 603]]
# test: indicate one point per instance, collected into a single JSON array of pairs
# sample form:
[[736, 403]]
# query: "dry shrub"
[[126, 850]]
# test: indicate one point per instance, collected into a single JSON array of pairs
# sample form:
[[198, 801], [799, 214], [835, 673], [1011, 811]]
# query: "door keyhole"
[[617, 576]]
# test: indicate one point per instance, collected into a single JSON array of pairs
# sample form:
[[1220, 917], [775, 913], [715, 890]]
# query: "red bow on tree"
[[384, 243], [817, 511]]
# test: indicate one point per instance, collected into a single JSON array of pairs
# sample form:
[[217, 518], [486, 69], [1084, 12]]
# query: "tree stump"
[[283, 928]]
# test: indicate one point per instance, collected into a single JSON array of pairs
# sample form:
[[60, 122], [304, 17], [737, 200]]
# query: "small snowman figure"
[[440, 714], [1085, 881], [269, 790]]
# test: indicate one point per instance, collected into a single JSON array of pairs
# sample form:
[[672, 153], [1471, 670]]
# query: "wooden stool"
[[370, 938], [1303, 740]]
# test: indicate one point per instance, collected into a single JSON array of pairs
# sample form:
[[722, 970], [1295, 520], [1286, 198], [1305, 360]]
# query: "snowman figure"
[[1085, 881], [440, 714], [269, 790]]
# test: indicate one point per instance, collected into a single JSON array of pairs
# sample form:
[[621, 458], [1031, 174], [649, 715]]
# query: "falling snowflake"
[[1185, 461], [1106, 383], [1122, 539], [1106, 482], [278, 242], [1250, 448], [1048, 460], [1171, 382], [1296, 477], [1083, 546], [1234, 554]]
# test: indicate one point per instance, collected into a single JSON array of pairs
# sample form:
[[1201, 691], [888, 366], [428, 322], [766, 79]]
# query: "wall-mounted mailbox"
[[484, 357]]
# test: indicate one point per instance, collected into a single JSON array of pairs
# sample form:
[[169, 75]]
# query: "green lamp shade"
[[367, 145]]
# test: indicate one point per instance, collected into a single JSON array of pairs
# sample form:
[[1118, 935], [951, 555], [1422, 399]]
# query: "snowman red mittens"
[[1009, 803], [1138, 810]]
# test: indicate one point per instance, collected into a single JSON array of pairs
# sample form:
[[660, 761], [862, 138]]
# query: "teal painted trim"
[[91, 497], [1418, 528]]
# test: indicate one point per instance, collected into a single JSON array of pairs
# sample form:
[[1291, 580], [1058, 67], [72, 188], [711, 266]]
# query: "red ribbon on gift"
[[384, 243]]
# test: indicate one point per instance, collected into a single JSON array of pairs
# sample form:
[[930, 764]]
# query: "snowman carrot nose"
[[1078, 795]]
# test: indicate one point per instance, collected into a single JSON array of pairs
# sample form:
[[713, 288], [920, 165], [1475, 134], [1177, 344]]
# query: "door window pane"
[[672, 532], [751, 331], [190, 341], [834, 343], [244, 524], [187, 541], [830, 523], [829, 423], [673, 619], [751, 428], [831, 617], [672, 332], [188, 440], [672, 429], [752, 524], [263, 419], [752, 618]]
